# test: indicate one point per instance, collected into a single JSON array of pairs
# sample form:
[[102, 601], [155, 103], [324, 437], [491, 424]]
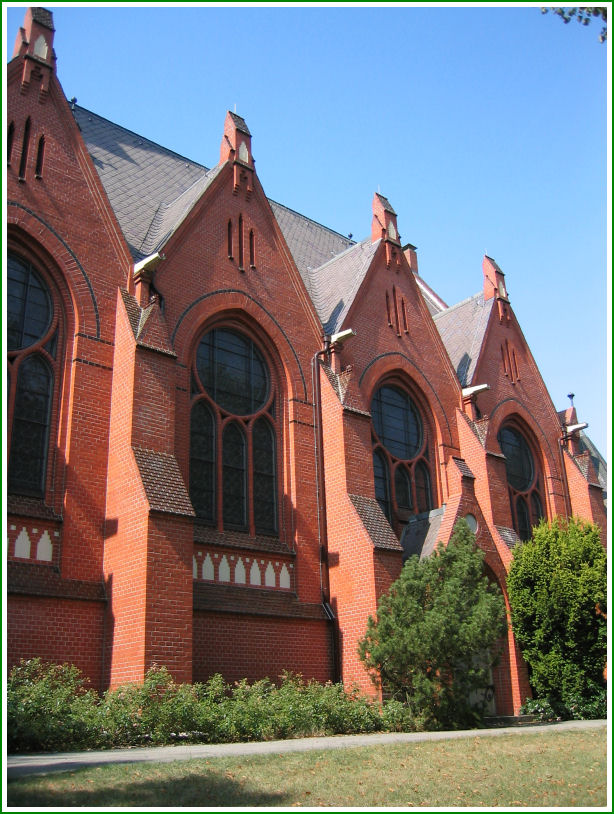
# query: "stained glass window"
[[523, 480], [231, 380], [400, 457], [32, 344]]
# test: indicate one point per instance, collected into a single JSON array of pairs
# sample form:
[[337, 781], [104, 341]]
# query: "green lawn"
[[558, 769]]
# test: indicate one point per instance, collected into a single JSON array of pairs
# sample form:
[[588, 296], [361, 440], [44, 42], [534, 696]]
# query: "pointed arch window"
[[401, 465], [33, 340], [524, 481], [233, 432]]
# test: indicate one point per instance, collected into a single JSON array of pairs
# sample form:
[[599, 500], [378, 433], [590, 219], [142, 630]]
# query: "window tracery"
[[524, 481], [401, 464], [233, 447], [33, 333]]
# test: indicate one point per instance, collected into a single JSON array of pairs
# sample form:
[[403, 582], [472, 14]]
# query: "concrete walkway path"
[[20, 765]]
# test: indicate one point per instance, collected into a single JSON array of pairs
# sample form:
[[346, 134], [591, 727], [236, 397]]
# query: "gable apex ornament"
[[384, 227], [237, 147], [34, 44]]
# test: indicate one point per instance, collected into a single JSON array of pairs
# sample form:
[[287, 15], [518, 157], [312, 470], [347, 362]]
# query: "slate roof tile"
[[336, 283], [310, 243], [419, 536], [509, 536], [152, 189], [462, 328]]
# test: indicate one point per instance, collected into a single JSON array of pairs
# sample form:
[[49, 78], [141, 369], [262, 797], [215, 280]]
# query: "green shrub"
[[399, 717], [557, 588], [49, 707], [433, 641], [157, 711], [594, 705]]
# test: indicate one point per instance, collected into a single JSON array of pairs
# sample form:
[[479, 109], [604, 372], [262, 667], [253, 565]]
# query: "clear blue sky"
[[485, 127]]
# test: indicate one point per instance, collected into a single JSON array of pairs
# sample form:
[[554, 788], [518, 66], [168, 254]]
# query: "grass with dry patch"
[[547, 768]]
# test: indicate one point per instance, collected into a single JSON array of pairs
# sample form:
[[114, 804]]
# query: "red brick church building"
[[227, 424]]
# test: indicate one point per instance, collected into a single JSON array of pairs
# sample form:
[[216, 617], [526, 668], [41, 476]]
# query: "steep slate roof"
[[311, 244], [335, 284], [433, 302], [462, 328], [599, 462], [152, 189], [139, 176]]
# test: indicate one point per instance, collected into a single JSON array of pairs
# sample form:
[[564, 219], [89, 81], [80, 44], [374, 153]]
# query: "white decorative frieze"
[[213, 566], [31, 542]]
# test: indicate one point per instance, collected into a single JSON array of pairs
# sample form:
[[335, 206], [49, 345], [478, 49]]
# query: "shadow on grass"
[[189, 788]]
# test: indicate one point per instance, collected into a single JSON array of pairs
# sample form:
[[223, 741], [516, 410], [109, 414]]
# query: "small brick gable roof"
[[374, 521], [164, 486], [462, 328]]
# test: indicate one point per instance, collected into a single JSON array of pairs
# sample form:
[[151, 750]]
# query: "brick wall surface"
[[115, 523], [55, 629]]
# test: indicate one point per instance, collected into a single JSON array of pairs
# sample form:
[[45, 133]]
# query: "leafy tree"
[[433, 641], [557, 588], [583, 15]]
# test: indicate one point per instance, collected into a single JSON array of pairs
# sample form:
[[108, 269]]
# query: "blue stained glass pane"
[[518, 458], [397, 423], [265, 478], [29, 308], [202, 462], [233, 371], [30, 432], [523, 519], [234, 472], [382, 483]]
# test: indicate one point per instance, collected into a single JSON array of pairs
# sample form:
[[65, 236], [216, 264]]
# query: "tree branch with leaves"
[[584, 15]]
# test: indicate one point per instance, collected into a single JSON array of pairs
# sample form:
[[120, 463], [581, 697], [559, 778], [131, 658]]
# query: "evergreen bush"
[[433, 642], [557, 587]]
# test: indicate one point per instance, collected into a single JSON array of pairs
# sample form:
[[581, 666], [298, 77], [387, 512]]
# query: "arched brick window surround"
[[235, 430], [403, 451], [524, 473], [36, 334]]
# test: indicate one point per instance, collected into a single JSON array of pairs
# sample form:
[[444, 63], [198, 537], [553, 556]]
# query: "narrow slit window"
[[24, 150], [40, 156], [241, 241], [396, 310], [10, 136], [504, 360], [252, 249], [388, 309], [404, 313], [230, 239], [515, 366]]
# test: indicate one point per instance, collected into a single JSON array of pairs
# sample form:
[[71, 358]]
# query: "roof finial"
[[235, 107], [570, 396]]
